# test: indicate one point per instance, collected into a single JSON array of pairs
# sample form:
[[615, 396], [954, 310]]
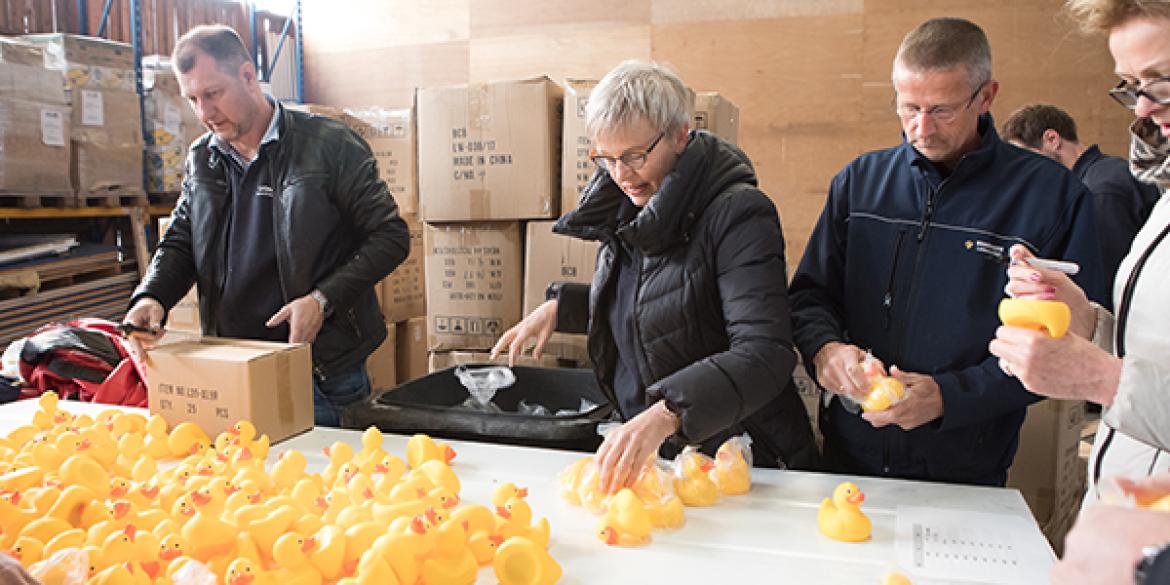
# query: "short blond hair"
[[1102, 16], [638, 89]]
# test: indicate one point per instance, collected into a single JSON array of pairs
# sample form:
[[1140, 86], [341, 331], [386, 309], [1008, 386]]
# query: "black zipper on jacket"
[[929, 213], [1123, 308], [888, 299]]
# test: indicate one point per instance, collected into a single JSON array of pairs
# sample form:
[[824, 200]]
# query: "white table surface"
[[767, 536]]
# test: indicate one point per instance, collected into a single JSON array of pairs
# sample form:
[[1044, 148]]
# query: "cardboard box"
[[23, 75], [34, 147], [390, 132], [716, 114], [184, 316], [171, 127], [576, 166], [549, 258], [449, 359], [473, 284], [411, 353], [490, 151], [382, 365], [403, 293], [98, 78], [1047, 469], [216, 382]]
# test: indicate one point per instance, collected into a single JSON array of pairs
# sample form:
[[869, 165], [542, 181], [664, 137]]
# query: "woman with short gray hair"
[[687, 315]]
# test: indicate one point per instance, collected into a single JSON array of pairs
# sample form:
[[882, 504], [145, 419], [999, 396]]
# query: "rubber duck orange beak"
[[322, 503], [121, 508], [326, 450], [150, 492], [503, 512], [118, 492], [368, 493], [241, 579], [448, 453], [170, 554], [130, 529], [706, 466], [856, 498], [348, 568], [194, 450], [522, 492], [200, 499], [309, 544], [245, 454], [12, 553], [611, 537], [417, 526], [496, 539], [84, 444], [454, 501]]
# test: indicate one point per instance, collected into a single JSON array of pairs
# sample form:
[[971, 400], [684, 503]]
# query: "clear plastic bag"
[[68, 566], [532, 409], [483, 382], [733, 466], [882, 391], [194, 573], [692, 478]]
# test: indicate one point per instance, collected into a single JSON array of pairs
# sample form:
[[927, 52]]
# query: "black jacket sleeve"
[[370, 210], [721, 390], [172, 268], [573, 307]]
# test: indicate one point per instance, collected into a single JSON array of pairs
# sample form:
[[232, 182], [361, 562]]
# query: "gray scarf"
[[1149, 153]]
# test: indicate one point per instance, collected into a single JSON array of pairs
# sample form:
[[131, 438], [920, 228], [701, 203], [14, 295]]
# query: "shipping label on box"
[[717, 115], [576, 166], [473, 283], [382, 365], [411, 358], [549, 258], [391, 136], [34, 150], [403, 293], [217, 382], [490, 151]]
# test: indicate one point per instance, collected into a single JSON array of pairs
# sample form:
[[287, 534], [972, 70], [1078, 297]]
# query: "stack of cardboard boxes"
[[106, 124], [171, 127], [35, 121]]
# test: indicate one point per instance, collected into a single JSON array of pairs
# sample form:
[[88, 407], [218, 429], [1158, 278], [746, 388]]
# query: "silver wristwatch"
[[321, 300], [1150, 556]]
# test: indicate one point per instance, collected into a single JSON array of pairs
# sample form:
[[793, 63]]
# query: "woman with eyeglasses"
[[687, 315], [1121, 360]]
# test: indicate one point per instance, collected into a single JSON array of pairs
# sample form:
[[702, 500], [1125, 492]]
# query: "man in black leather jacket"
[[283, 224]]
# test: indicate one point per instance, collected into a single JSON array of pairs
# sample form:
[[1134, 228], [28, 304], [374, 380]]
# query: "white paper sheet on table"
[[956, 545]]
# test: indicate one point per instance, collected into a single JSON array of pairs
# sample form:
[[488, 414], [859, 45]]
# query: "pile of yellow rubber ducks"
[[656, 498], [91, 488]]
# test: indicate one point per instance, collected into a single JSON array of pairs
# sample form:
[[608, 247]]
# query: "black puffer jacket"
[[714, 337], [332, 215]]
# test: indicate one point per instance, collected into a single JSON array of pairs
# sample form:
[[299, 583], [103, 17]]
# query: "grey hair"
[[946, 43], [638, 89]]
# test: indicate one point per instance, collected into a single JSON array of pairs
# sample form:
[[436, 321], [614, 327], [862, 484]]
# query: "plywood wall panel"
[[372, 24], [501, 18], [584, 51], [383, 77]]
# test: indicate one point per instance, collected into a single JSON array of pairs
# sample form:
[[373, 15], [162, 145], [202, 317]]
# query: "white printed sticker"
[[92, 112], [172, 118], [52, 127]]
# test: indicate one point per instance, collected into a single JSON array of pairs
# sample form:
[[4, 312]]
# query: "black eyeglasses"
[[1155, 90], [633, 159], [944, 113]]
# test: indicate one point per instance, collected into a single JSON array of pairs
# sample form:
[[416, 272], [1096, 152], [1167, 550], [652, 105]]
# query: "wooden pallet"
[[112, 199], [34, 200], [164, 198], [77, 266]]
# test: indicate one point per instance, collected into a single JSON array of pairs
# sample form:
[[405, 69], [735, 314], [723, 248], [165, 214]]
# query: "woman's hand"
[[627, 448], [1070, 367], [539, 324], [1026, 282]]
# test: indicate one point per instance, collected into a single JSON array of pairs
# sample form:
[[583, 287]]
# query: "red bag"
[[84, 359]]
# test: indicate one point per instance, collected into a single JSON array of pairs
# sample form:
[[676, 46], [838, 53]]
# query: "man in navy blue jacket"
[[907, 261]]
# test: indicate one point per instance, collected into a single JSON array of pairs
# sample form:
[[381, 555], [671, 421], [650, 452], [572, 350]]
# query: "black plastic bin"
[[431, 405]]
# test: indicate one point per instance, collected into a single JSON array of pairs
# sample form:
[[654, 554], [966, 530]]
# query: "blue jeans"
[[334, 394]]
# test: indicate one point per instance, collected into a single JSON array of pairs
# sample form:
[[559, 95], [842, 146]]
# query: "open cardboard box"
[[216, 382]]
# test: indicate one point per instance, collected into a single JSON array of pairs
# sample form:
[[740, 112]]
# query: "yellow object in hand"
[[884, 392], [1052, 317]]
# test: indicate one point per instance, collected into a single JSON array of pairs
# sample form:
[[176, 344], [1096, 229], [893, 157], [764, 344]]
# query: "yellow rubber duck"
[[569, 480], [329, 552], [520, 561], [421, 448], [733, 472], [245, 572], [288, 470], [73, 538], [895, 578], [291, 553], [156, 438], [451, 560], [209, 536], [1051, 317], [626, 522], [515, 519], [692, 482], [372, 452], [187, 438], [477, 517], [82, 470], [483, 545], [372, 569], [441, 475], [27, 550], [267, 529], [884, 392], [339, 454], [666, 513], [841, 518], [402, 551], [507, 491]]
